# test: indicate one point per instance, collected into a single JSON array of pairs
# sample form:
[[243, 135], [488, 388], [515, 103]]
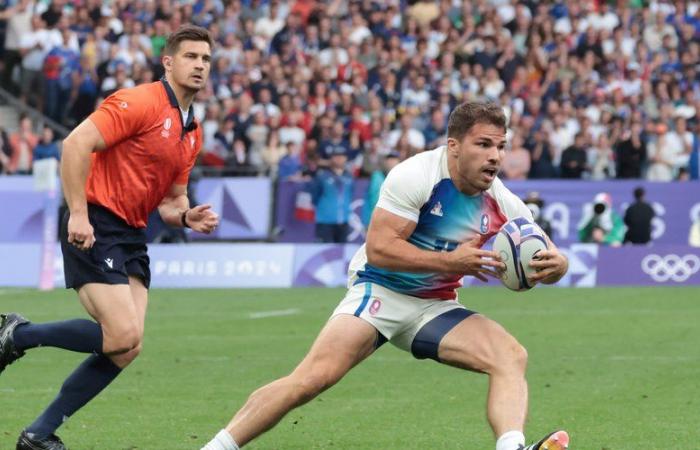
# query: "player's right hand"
[[80, 232], [469, 259]]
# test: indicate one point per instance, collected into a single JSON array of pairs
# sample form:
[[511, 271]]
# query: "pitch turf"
[[617, 368]]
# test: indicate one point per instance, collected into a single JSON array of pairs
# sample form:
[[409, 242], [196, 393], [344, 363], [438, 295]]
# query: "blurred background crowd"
[[593, 89]]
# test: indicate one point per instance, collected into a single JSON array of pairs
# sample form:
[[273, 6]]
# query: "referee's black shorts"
[[119, 251]]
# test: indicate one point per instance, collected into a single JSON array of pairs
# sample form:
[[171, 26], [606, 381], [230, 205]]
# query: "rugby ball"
[[518, 242]]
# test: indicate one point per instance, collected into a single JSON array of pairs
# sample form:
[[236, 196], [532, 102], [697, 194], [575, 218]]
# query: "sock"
[[78, 335], [222, 441], [511, 440], [88, 380]]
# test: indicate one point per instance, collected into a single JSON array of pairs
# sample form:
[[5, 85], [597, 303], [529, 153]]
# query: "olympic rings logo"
[[670, 267]]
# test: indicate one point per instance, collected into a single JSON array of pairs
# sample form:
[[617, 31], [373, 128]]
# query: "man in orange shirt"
[[133, 154]]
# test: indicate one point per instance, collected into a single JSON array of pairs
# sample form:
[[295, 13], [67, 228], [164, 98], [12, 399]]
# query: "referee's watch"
[[183, 218]]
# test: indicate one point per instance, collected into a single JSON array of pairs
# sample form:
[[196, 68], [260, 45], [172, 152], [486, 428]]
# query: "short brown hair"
[[186, 33], [468, 114]]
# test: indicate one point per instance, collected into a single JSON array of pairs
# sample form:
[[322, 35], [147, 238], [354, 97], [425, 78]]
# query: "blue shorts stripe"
[[427, 340], [365, 299]]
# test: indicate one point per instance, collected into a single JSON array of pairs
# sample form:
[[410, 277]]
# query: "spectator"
[[47, 147], [666, 154], [601, 159], [375, 184], [516, 160], [574, 158], [631, 153], [273, 152], [336, 144], [536, 206], [35, 45], [19, 23], [290, 165], [541, 154], [331, 192], [600, 224], [414, 138], [61, 72], [638, 217], [22, 144], [436, 132]]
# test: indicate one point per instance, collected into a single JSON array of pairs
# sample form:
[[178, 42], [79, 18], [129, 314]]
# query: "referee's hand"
[[80, 232], [201, 218]]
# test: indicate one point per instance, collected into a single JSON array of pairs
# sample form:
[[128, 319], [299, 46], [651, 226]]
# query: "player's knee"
[[507, 356], [308, 387], [511, 356], [124, 359], [128, 340]]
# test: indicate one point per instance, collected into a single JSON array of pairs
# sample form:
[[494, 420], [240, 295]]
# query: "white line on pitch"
[[277, 313], [11, 291]]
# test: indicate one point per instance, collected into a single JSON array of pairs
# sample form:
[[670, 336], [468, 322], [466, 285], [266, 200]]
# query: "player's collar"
[[190, 124]]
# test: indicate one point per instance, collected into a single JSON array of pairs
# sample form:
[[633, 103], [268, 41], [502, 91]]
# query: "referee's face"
[[191, 64], [479, 157]]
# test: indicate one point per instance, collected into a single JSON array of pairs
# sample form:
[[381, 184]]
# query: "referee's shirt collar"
[[190, 124]]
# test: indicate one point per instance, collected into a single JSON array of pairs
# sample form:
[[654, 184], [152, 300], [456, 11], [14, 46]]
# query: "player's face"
[[191, 64], [479, 156]]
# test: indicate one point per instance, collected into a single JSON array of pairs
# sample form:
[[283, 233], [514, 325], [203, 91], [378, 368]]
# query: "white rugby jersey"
[[420, 189]]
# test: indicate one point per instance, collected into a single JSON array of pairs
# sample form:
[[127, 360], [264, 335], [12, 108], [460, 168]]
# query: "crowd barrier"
[[245, 207], [219, 265]]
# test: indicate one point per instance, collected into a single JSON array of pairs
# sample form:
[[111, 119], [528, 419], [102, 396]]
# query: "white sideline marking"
[[277, 313], [11, 291]]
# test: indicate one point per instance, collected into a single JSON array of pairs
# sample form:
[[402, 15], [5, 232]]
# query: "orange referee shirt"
[[148, 149]]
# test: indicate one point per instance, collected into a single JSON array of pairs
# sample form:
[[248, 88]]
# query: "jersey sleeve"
[[406, 189], [120, 116]]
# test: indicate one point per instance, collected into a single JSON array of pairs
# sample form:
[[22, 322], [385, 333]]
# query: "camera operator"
[[600, 224]]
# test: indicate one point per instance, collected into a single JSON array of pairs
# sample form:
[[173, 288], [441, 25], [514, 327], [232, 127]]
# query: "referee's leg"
[[119, 310]]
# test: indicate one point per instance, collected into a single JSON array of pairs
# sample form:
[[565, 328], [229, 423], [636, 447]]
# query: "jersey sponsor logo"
[[166, 127], [670, 267], [123, 105], [484, 223], [109, 262], [375, 306], [437, 209]]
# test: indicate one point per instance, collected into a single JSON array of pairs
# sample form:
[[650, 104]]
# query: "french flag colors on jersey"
[[420, 189]]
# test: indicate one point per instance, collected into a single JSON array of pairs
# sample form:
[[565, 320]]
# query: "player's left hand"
[[201, 218], [551, 265]]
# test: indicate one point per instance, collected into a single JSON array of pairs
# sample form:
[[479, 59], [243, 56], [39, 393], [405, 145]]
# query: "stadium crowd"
[[593, 90]]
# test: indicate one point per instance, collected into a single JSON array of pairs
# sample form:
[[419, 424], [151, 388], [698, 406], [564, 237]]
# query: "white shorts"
[[413, 324]]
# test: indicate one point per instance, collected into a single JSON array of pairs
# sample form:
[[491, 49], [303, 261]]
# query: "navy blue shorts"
[[119, 251]]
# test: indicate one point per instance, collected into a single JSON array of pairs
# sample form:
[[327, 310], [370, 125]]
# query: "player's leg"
[[480, 344], [344, 342]]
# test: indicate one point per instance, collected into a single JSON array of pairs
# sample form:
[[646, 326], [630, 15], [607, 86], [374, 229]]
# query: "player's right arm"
[[388, 247], [75, 166]]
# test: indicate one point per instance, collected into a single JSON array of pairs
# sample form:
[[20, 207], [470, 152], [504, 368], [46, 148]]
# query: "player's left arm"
[[175, 210], [551, 264]]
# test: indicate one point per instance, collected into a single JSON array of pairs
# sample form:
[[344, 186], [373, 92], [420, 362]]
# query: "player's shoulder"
[[422, 166]]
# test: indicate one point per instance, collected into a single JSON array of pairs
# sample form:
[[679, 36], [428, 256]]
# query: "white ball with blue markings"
[[518, 242]]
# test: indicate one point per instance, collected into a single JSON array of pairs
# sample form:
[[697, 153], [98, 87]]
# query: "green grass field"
[[617, 368]]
